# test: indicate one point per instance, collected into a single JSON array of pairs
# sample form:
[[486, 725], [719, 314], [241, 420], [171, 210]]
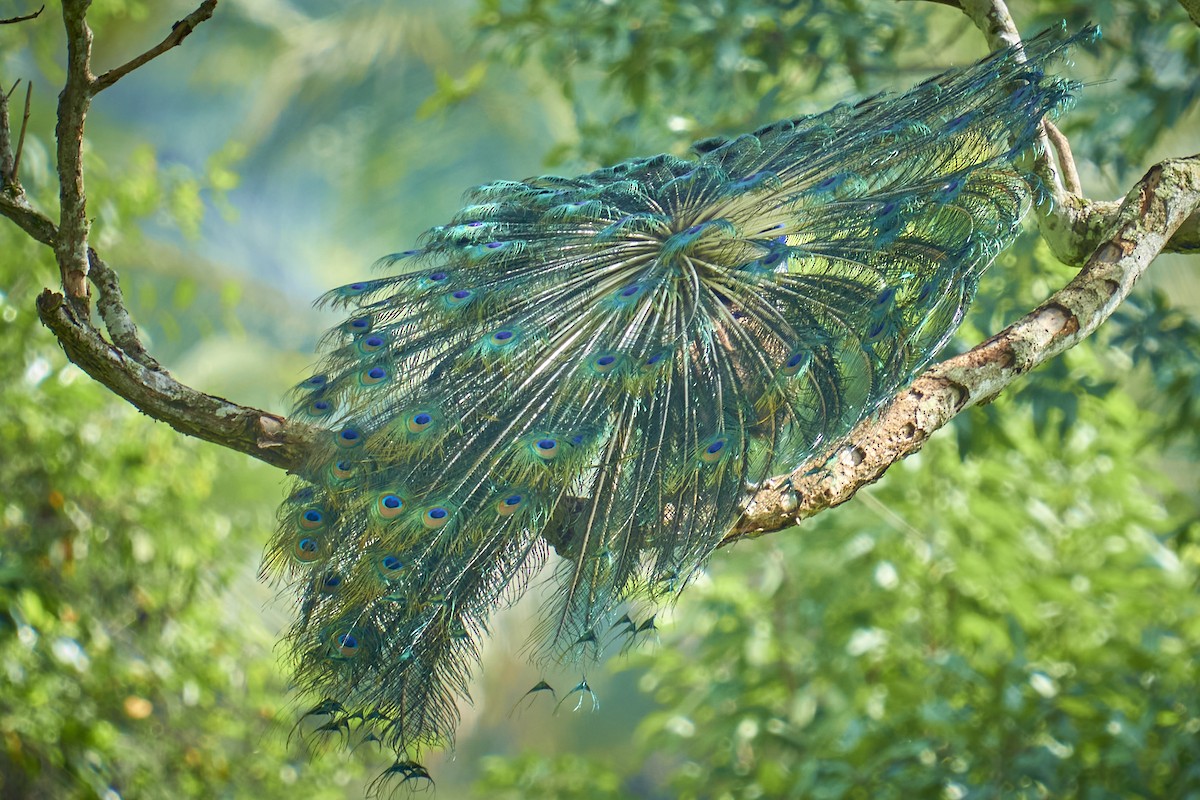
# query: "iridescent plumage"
[[610, 363]]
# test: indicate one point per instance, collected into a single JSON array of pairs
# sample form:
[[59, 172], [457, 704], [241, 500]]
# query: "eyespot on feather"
[[341, 470], [373, 376], [435, 517], [389, 506], [311, 519], [370, 344], [345, 645], [715, 450], [420, 421], [359, 325], [306, 549], [348, 438], [545, 448], [331, 583], [796, 363], [510, 504]]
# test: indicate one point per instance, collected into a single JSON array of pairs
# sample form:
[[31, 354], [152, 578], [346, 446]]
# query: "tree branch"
[[123, 366], [1072, 225], [179, 31], [111, 305], [23, 18], [6, 153], [70, 247], [1167, 196], [256, 433]]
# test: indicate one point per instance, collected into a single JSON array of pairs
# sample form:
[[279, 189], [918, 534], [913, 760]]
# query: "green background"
[[1013, 612]]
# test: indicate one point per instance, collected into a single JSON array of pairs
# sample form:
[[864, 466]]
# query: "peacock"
[[606, 367]]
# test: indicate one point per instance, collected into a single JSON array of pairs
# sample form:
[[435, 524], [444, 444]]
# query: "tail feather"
[[606, 363]]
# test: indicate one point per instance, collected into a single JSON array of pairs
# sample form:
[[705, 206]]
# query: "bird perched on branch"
[[608, 365]]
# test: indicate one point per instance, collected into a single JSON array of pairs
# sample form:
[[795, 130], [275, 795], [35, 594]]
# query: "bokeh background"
[[1013, 612]]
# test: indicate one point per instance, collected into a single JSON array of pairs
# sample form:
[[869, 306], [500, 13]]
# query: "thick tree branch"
[[179, 31], [1151, 212], [256, 433]]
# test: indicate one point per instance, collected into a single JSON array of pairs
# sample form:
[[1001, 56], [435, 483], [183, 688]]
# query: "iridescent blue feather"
[[606, 363]]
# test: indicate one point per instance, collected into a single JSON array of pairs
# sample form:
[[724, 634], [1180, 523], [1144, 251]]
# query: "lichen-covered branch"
[[1156, 207], [256, 433], [117, 321], [70, 246]]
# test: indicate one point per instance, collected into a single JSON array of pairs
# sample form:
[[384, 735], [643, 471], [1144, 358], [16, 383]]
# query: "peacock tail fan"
[[609, 364]]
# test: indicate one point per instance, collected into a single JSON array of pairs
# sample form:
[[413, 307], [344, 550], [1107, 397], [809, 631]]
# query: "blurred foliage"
[[1014, 612], [127, 667], [674, 71]]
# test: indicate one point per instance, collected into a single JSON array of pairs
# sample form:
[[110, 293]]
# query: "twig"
[[179, 31], [14, 20], [1152, 211], [14, 175], [1066, 159]]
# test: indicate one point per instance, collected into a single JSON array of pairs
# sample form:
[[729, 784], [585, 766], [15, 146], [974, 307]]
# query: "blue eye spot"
[[316, 381], [546, 444], [654, 359], [438, 513], [358, 287], [577, 440], [461, 294], [312, 515], [437, 276], [377, 373], [333, 581], [795, 360], [374, 341], [631, 290], [604, 361], [474, 224], [493, 245], [715, 450], [501, 336], [391, 563], [347, 640], [512, 500], [422, 419], [361, 322], [391, 501]]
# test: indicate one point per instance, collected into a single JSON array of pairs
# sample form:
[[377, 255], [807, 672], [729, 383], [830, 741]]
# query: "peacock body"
[[609, 364]]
